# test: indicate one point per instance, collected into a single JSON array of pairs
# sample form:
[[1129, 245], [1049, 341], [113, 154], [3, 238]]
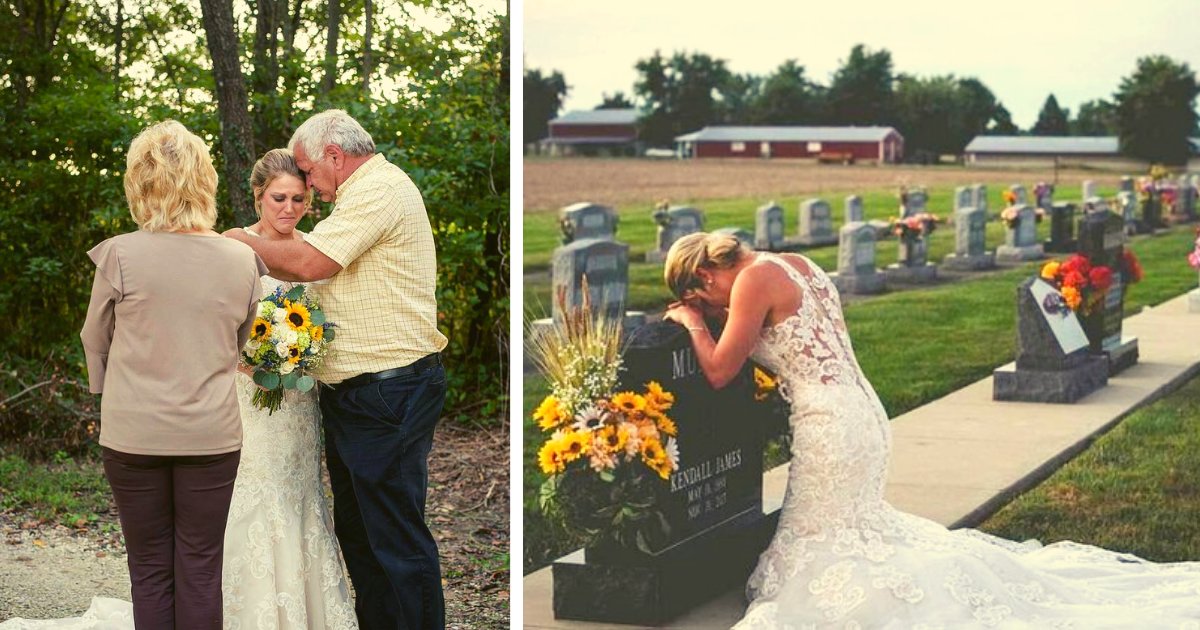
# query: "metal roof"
[[589, 140], [1094, 145], [787, 134], [598, 117]]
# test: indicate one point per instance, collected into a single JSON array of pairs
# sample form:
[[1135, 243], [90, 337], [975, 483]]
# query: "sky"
[[1023, 50]]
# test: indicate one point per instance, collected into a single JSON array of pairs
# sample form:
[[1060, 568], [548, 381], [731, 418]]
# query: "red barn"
[[833, 144], [601, 131]]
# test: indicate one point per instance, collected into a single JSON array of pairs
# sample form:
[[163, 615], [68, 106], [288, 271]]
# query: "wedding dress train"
[[843, 558]]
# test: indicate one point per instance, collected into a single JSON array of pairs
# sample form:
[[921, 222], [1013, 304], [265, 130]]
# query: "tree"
[[1052, 121], [1156, 110], [1095, 118], [543, 95], [237, 133], [1002, 123], [616, 101], [684, 94], [862, 89], [940, 115], [787, 97], [332, 28]]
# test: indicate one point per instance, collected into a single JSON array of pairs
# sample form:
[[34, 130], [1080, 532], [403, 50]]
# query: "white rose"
[[287, 367], [290, 336], [279, 315], [282, 350], [252, 346]]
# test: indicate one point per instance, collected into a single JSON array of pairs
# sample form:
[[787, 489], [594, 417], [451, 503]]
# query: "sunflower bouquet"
[[290, 337], [606, 453]]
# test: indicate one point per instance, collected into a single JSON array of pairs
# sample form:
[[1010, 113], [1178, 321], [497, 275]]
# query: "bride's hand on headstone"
[[684, 314]]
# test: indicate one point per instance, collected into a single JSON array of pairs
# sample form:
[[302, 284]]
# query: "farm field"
[[553, 183]]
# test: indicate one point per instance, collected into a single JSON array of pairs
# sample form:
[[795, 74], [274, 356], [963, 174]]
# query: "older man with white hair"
[[382, 385]]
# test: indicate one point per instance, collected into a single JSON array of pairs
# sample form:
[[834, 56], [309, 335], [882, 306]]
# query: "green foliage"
[[787, 97], [683, 94], [1052, 120], [1095, 118], [63, 490], [861, 92], [437, 106], [1156, 110], [542, 96], [616, 101], [940, 115]]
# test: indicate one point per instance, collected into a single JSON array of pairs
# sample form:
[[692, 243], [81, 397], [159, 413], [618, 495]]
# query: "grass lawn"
[[646, 291], [1137, 489], [914, 346], [65, 491]]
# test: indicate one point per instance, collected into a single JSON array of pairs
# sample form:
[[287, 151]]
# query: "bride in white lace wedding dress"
[[841, 556]]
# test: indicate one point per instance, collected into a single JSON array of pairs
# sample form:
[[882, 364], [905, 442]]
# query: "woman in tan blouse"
[[171, 306]]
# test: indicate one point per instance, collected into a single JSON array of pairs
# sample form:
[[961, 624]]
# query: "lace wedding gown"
[[843, 558], [282, 567]]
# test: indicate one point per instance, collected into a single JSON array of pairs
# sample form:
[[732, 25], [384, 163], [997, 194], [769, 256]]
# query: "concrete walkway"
[[958, 459]]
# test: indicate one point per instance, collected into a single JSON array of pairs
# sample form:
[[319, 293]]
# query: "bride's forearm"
[[715, 370]]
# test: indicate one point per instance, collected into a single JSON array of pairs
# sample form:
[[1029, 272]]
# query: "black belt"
[[416, 367]]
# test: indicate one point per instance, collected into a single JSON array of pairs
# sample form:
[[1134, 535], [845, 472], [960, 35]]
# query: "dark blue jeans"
[[377, 441]]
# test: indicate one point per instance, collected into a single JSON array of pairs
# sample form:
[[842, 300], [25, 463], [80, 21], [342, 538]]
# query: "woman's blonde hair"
[[699, 251], [267, 169], [170, 181]]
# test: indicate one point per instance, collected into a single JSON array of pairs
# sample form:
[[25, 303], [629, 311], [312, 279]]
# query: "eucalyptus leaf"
[[316, 317], [289, 380], [295, 293], [305, 383], [329, 335], [270, 380]]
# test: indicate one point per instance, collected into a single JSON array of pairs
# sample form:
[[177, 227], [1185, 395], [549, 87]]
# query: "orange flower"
[[1071, 295], [657, 397], [629, 402]]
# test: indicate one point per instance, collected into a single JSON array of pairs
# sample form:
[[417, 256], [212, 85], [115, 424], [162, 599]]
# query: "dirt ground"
[[553, 183], [51, 571]]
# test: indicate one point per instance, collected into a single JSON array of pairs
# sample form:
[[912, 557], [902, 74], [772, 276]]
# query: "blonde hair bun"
[[699, 250]]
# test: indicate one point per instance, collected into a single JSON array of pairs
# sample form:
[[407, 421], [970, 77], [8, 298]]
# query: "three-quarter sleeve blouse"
[[168, 316]]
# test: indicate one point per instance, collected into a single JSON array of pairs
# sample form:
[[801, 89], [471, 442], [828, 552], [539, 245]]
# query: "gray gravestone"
[[1053, 364], [1187, 198], [979, 197], [711, 505], [1089, 189], [963, 198], [912, 260], [1127, 207], [606, 265], [970, 250], [816, 223], [854, 210], [915, 202], [1062, 228], [1043, 195], [769, 233], [744, 236], [856, 272], [1022, 195], [1102, 240], [587, 220], [1020, 241], [673, 224]]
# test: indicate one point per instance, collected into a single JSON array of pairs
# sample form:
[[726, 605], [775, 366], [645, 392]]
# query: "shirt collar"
[[362, 171]]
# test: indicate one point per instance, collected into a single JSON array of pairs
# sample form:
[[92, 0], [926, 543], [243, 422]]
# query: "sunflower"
[[655, 457], [629, 402], [575, 444], [262, 329], [550, 458], [293, 354], [657, 397], [317, 333], [666, 425], [549, 414], [612, 438], [297, 316]]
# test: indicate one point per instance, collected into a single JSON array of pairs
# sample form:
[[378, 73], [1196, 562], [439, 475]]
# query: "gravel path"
[[52, 572]]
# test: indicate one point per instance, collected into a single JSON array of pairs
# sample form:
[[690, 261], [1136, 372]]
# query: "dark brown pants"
[[173, 511]]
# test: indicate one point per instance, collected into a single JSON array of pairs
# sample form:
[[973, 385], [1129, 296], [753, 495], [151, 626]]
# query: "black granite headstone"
[[1062, 228], [1102, 240], [712, 504]]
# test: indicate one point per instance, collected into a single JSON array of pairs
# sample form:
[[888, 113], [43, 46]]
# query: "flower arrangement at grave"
[[1081, 283], [914, 227], [1040, 191], [1194, 257], [605, 453], [1012, 216]]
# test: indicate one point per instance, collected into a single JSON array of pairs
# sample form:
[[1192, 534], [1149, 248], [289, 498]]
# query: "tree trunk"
[[331, 47], [237, 139], [120, 35], [366, 71], [265, 78]]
